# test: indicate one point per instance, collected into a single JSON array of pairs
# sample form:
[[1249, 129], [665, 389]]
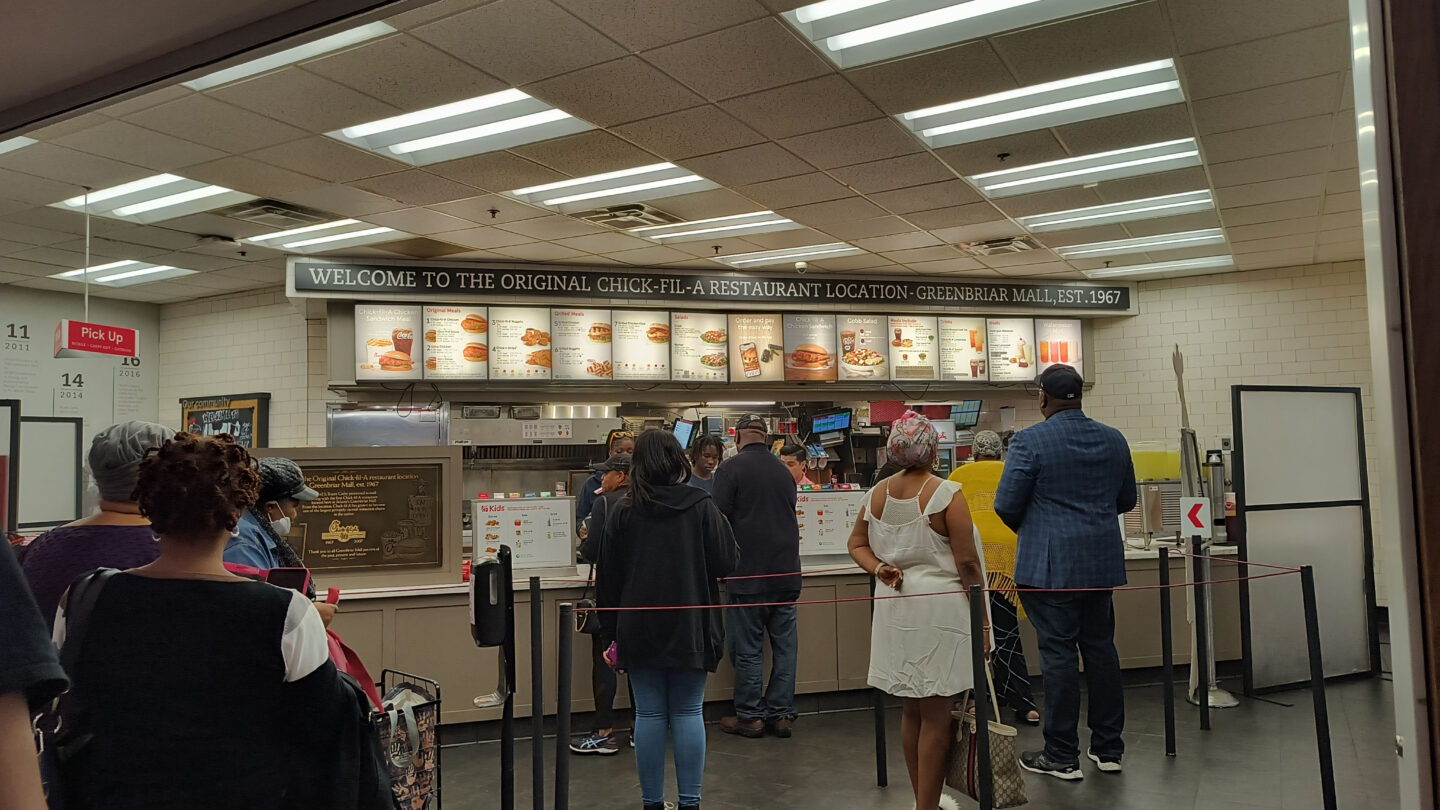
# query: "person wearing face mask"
[[259, 539]]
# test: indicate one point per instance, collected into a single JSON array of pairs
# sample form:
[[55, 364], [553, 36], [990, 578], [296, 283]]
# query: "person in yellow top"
[[978, 481]]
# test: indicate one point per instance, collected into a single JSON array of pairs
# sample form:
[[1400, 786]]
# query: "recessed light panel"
[[154, 199], [126, 273], [326, 236], [473, 126], [640, 184], [1168, 205], [736, 225], [11, 144], [1080, 98], [290, 56], [761, 258], [1183, 267], [1087, 169], [1143, 244], [856, 32]]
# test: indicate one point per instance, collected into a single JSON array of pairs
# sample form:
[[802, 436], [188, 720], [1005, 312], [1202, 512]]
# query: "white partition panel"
[[50, 471], [10, 449]]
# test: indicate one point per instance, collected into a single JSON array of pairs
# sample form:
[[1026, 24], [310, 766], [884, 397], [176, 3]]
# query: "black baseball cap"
[[281, 478], [1061, 382], [752, 422], [620, 462]]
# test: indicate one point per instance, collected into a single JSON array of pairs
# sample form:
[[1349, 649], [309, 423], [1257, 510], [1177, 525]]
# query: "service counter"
[[425, 630]]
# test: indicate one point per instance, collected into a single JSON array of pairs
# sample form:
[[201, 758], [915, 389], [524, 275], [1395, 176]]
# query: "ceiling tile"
[[856, 143], [716, 202], [327, 159], [57, 219], [1168, 123], [1086, 44], [897, 242], [140, 147], [68, 126], [1270, 230], [1271, 167], [1270, 139], [605, 243], [978, 232], [1045, 202], [486, 238], [651, 256], [520, 41], [207, 121], [403, 71], [615, 92], [867, 264], [540, 252], [420, 220], [1275, 60], [68, 166], [1022, 149], [950, 193], [1152, 185], [586, 153], [706, 249], [109, 247], [342, 200], [1293, 188], [1270, 212], [1344, 155], [954, 215], [740, 60], [808, 106], [751, 164], [497, 171], [416, 187], [1339, 221], [688, 133], [1268, 105], [1045, 270], [639, 25], [1292, 242], [842, 210], [792, 191], [930, 79], [778, 240], [961, 264], [432, 11], [1082, 236], [145, 101], [1342, 181], [1199, 26], [477, 209], [1005, 260], [925, 254], [217, 225], [154, 236], [552, 227], [866, 228], [1185, 222], [304, 99], [1336, 203], [251, 176], [31, 189], [1340, 252], [893, 173], [1275, 258]]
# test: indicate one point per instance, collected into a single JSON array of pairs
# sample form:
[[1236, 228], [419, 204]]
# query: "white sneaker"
[[1107, 765]]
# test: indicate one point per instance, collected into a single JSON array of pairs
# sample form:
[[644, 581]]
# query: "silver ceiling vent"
[[624, 217], [996, 247], [274, 214]]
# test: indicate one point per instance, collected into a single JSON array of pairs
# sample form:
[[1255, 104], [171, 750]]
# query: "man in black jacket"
[[757, 493]]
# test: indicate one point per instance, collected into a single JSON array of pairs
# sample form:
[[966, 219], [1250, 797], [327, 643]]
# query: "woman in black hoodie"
[[668, 547]]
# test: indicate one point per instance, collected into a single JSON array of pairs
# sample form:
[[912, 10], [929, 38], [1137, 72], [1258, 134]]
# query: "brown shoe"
[[744, 728], [782, 728]]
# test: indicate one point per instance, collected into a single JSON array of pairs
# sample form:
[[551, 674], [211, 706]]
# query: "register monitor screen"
[[684, 431], [830, 422], [966, 414]]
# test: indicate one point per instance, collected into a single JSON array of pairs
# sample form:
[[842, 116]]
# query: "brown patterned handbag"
[[964, 771]]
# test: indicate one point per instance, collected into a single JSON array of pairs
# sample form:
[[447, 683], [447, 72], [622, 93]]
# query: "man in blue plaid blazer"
[[1065, 482]]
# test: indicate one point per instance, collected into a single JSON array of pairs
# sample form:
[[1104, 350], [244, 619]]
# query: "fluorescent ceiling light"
[[134, 273], [1181, 267], [785, 255], [738, 403], [290, 56], [639, 184], [157, 198], [339, 237], [1168, 205], [144, 271], [323, 226], [1087, 169], [1143, 244], [1068, 101], [11, 144], [734, 225], [96, 269], [123, 189], [326, 236], [856, 32], [172, 199], [463, 128]]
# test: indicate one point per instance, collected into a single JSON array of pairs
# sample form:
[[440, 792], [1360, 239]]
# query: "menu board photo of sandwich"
[[757, 348], [864, 354], [699, 346], [581, 344], [456, 342], [1058, 343], [385, 346], [641, 344], [914, 350], [962, 349], [1012, 349], [810, 348], [520, 343]]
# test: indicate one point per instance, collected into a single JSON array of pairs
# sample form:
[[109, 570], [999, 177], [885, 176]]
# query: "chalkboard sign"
[[244, 416]]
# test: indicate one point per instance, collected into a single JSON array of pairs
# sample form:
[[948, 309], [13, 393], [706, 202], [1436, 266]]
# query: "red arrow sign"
[[1194, 516]]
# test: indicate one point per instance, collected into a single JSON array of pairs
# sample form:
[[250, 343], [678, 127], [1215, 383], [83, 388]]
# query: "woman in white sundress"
[[915, 536]]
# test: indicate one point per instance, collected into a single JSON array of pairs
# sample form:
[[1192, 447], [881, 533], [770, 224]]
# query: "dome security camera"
[[801, 267]]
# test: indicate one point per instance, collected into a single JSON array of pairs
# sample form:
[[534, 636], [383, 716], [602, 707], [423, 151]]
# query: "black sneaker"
[[1106, 764], [1037, 762], [594, 744]]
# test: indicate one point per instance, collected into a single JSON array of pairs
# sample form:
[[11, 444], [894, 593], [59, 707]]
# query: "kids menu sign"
[[319, 278]]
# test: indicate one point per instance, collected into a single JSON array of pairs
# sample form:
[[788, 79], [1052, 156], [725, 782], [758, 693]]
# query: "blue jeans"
[[747, 628], [1070, 627], [669, 699]]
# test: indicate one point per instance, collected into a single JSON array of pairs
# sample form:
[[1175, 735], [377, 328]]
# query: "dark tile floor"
[[1259, 755]]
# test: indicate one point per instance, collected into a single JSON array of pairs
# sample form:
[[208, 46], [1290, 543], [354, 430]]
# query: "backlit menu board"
[[641, 349], [810, 348], [1012, 349], [385, 347], [520, 343], [456, 341], [1059, 343], [962, 349], [757, 351], [864, 347], [580, 341], [698, 346], [914, 350]]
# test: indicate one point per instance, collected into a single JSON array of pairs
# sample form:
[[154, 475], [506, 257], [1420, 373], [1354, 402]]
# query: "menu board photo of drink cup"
[[864, 353], [456, 343], [385, 342], [914, 350], [962, 349], [757, 350], [810, 348], [1059, 344], [520, 343], [580, 344], [641, 345], [1012, 349], [698, 347]]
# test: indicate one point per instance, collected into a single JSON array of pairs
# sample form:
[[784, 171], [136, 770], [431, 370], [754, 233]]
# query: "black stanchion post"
[[507, 717], [1317, 688], [537, 693], [565, 651], [1167, 652], [1201, 664], [877, 708], [982, 699]]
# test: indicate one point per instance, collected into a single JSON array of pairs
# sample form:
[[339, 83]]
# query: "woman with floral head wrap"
[[916, 537]]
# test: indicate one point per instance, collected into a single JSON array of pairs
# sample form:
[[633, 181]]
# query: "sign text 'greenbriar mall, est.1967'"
[[324, 279]]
